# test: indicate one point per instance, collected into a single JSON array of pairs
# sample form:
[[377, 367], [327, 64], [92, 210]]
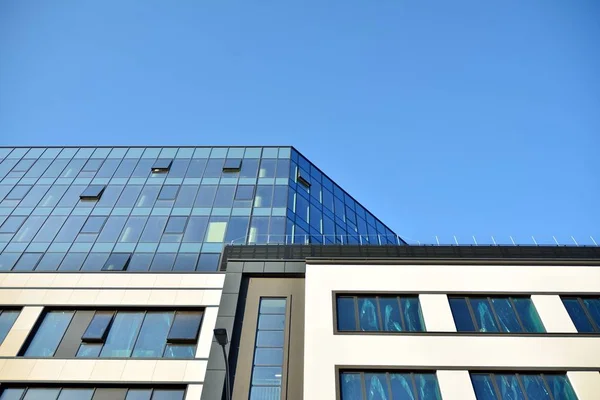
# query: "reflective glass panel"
[[48, 335], [153, 335], [346, 314], [122, 335]]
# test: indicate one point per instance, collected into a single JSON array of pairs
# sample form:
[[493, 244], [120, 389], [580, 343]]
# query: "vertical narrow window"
[[49, 334], [7, 319], [585, 313], [267, 367]]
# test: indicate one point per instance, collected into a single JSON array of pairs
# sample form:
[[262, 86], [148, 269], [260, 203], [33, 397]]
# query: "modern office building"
[[116, 265]]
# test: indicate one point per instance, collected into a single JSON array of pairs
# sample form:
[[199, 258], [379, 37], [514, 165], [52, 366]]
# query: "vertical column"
[[437, 313], [455, 385], [18, 333], [553, 313], [585, 383]]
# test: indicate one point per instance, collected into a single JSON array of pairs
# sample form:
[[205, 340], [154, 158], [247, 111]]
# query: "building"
[[109, 257], [319, 299]]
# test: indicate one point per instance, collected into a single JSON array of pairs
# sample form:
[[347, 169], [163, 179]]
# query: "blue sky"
[[442, 117]]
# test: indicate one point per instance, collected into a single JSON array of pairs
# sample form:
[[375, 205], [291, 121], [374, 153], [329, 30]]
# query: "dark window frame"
[[181, 340], [595, 324], [304, 180], [92, 192], [468, 299], [356, 296], [518, 375], [232, 165], [161, 165], [123, 265], [101, 339]]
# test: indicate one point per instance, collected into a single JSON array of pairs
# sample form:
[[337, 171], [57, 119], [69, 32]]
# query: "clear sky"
[[442, 117]]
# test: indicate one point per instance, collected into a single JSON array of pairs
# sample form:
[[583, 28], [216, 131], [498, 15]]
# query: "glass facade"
[[166, 209], [379, 385], [379, 313], [503, 386], [90, 393]]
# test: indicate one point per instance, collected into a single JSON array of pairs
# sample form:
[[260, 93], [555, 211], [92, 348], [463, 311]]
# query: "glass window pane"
[[164, 394], [52, 197], [267, 168], [264, 196], [534, 387], [153, 230], [51, 227], [140, 262], [268, 356], [180, 351], [529, 316], [142, 170], [196, 168], [272, 305], [593, 306], [95, 261], [129, 196], [351, 387], [214, 168], [509, 387], [168, 192], [461, 315], [427, 386], [12, 394], [12, 224], [483, 315], [71, 197], [224, 197], [186, 196], [185, 326], [176, 225], [126, 168], [196, 229], [376, 386], [29, 229], [237, 230], [205, 196], [89, 350], [483, 386], [186, 262], [108, 168], [76, 394], [208, 262], [153, 335], [178, 168], [244, 192], [49, 334], [93, 225], [7, 319], [163, 262], [72, 262], [98, 327], [27, 262], [133, 229], [216, 231], [267, 376], [560, 387], [70, 229], [138, 394], [271, 322], [50, 262], [269, 339], [41, 394], [148, 196], [112, 229], [122, 335], [390, 313], [55, 168], [346, 317], [7, 260], [367, 314], [402, 387], [506, 315], [18, 192]]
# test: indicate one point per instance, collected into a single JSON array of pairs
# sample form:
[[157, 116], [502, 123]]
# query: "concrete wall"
[[451, 354], [35, 291]]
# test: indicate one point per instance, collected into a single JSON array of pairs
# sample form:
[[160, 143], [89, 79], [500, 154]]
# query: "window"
[[509, 386], [495, 314], [117, 262], [168, 192], [232, 165], [92, 192], [267, 368], [93, 225], [7, 319], [162, 165], [585, 313], [303, 178], [160, 333], [379, 313], [244, 193], [358, 385], [49, 392]]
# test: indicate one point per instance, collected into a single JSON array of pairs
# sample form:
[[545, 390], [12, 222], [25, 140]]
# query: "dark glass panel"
[[237, 230], [506, 315], [368, 315], [140, 262], [249, 168], [27, 262], [117, 262], [176, 225], [50, 262], [483, 386], [196, 168], [560, 387], [346, 314], [283, 168], [529, 316], [376, 386], [72, 262], [280, 196], [7, 319], [483, 315], [208, 262], [461, 314], [390, 313], [98, 327], [185, 327], [206, 196], [593, 306], [214, 168], [185, 262], [535, 387], [509, 387], [168, 192], [427, 386], [244, 192], [351, 386]]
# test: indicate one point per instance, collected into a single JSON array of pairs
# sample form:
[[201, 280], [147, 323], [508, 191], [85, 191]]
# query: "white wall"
[[451, 354]]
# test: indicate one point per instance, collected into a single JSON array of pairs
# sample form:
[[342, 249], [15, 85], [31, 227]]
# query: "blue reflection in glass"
[[412, 314], [367, 314], [483, 315], [509, 387], [461, 315], [346, 314], [376, 385], [534, 387], [351, 387], [483, 386], [560, 387], [390, 312]]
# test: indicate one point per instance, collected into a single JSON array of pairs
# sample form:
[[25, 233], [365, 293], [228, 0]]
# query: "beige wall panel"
[[136, 297], [212, 297], [138, 370], [47, 370], [19, 331], [169, 370], [554, 315], [108, 370], [455, 385], [209, 322], [77, 370], [436, 313], [586, 384], [9, 296], [17, 369], [193, 392]]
